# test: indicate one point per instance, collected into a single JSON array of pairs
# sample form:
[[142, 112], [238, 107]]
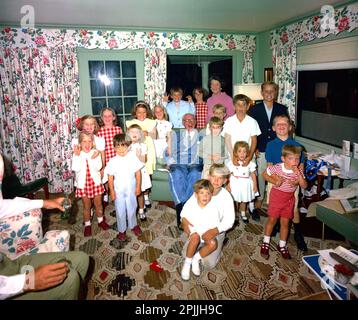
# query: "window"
[[113, 79]]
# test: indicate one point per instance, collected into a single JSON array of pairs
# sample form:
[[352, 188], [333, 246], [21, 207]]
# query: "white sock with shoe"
[[195, 267], [185, 271]]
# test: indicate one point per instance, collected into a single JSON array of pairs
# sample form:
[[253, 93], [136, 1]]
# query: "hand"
[[210, 234], [102, 172], [292, 182], [189, 98], [228, 188], [145, 133], [54, 203], [77, 150], [257, 153], [165, 97], [278, 181], [47, 276], [95, 154], [185, 225], [113, 195]]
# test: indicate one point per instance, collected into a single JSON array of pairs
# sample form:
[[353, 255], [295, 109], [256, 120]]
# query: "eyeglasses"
[[188, 120]]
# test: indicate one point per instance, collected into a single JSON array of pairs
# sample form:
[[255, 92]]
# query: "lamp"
[[252, 90], [320, 89]]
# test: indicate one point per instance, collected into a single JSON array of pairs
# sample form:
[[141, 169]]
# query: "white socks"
[[267, 239], [146, 197], [100, 219], [195, 267], [87, 223], [185, 271], [282, 244], [251, 206]]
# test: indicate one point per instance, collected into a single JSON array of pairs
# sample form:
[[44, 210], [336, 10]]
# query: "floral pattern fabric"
[[22, 234], [285, 40], [39, 88]]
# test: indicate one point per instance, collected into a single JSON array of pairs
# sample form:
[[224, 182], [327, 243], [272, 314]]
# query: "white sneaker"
[[185, 271], [195, 267]]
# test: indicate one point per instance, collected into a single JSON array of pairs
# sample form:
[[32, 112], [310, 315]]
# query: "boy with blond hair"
[[212, 148]]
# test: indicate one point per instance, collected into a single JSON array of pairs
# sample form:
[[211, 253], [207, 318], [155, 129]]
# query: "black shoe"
[[255, 215], [245, 219], [226, 240]]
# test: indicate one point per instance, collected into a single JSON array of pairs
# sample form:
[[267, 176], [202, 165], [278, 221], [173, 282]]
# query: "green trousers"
[[67, 290]]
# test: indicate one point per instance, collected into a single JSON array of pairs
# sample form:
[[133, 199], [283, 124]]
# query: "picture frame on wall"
[[268, 74]]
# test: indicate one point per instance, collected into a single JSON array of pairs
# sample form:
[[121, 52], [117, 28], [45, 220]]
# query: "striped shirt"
[[201, 112], [108, 134], [286, 174]]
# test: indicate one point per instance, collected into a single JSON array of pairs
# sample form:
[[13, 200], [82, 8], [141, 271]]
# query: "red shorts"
[[281, 204]]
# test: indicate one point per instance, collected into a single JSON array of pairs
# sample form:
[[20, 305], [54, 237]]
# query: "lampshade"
[[320, 90], [252, 90]]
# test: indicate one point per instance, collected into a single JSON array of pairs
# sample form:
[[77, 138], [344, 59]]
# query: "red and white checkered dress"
[[201, 112], [90, 190], [108, 134]]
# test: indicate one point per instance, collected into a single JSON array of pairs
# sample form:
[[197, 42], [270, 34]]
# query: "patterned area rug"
[[122, 269]]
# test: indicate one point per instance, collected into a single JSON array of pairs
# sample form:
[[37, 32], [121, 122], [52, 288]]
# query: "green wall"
[[263, 55]]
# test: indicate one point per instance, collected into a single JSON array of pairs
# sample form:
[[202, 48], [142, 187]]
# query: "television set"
[[327, 105]]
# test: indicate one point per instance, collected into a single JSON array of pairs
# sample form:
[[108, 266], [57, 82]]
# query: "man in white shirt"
[[51, 275], [218, 175]]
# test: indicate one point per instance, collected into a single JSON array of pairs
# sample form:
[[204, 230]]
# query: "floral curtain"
[[39, 91], [285, 40], [155, 75], [39, 103]]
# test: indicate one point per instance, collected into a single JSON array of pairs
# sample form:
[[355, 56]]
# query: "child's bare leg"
[[271, 221], [194, 241], [99, 212], [282, 247], [141, 212], [209, 247], [285, 222], [98, 205], [87, 204], [243, 212]]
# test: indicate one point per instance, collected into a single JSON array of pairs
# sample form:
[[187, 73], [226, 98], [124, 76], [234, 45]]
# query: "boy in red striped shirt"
[[285, 177]]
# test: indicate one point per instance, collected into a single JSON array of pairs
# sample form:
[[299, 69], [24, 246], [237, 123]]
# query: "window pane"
[[97, 88], [113, 69], [129, 103], [116, 104], [114, 89], [128, 69], [97, 105], [95, 68], [130, 87]]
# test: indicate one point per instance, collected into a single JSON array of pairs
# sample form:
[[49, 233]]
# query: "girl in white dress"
[[243, 184], [164, 127], [139, 148]]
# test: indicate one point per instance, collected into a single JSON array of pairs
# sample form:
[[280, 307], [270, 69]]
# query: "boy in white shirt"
[[201, 216]]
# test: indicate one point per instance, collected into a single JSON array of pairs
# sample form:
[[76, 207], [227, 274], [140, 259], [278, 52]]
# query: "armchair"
[[22, 234]]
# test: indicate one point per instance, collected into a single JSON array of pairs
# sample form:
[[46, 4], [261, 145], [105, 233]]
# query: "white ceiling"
[[181, 15]]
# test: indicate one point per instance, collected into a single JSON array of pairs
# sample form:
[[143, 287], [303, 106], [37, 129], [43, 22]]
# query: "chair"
[[22, 234], [12, 187]]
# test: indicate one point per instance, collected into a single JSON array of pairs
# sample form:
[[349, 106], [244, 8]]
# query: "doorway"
[[189, 71]]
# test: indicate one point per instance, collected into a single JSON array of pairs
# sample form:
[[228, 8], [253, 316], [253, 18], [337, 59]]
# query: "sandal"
[[265, 248]]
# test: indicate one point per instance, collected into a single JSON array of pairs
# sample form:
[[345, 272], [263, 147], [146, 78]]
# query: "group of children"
[[126, 162]]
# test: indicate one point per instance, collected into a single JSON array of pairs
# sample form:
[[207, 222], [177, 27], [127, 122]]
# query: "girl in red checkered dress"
[[107, 131], [201, 107], [87, 167]]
